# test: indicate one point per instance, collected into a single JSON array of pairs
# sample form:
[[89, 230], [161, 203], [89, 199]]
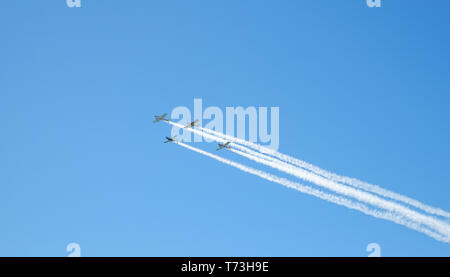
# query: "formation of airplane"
[[160, 117], [170, 139], [192, 124], [225, 145]]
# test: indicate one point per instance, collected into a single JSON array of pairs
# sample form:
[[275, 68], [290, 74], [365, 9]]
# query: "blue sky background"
[[362, 92]]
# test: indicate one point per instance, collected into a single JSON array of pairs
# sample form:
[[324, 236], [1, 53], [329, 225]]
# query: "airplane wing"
[[159, 118], [171, 139], [225, 145]]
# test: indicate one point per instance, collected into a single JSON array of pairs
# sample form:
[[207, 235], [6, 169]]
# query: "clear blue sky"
[[362, 92]]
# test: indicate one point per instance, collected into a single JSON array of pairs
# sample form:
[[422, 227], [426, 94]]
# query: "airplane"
[[170, 139], [192, 124], [160, 117], [221, 146]]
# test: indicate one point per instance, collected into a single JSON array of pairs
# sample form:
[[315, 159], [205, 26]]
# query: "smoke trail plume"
[[388, 215]]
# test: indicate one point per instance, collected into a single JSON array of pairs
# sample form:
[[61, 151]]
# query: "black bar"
[[258, 266]]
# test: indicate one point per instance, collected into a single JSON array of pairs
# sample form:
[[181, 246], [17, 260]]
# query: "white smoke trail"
[[442, 227], [329, 175], [214, 135], [363, 196], [394, 217]]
